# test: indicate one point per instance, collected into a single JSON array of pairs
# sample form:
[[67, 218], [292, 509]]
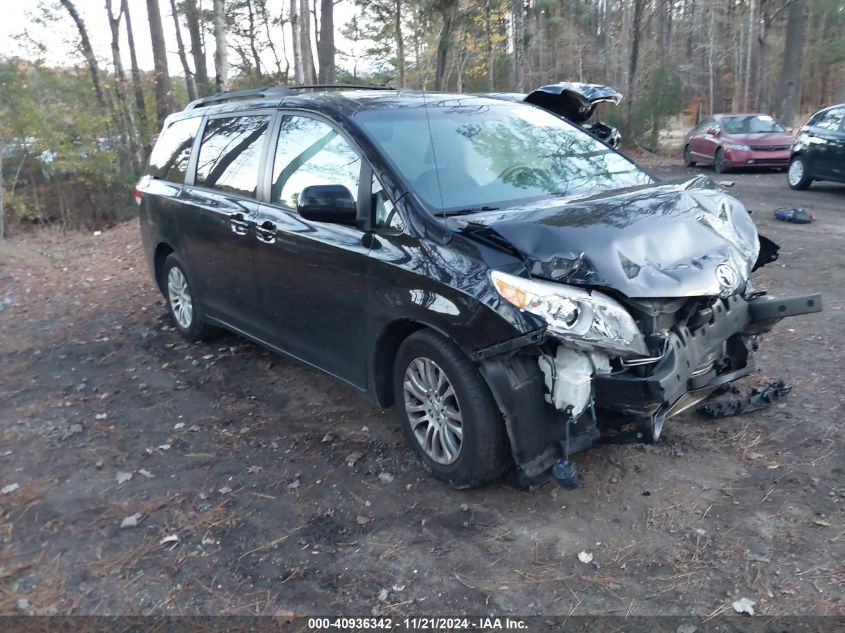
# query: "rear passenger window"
[[230, 153], [172, 151], [831, 120], [311, 152]]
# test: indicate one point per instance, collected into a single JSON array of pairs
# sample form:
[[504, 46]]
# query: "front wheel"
[[447, 412], [688, 161], [719, 162], [798, 176]]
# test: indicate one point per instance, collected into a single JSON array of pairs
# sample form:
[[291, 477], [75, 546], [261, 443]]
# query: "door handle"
[[239, 225], [266, 232]]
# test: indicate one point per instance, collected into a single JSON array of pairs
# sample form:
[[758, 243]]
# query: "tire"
[[719, 162], [482, 445], [688, 162], [184, 309], [797, 174]]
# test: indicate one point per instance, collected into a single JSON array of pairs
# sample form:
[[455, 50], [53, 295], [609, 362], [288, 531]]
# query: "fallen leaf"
[[130, 521], [170, 540], [362, 520], [9, 489], [122, 478], [744, 605], [253, 470], [585, 557]]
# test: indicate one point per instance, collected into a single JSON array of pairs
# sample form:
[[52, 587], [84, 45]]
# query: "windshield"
[[754, 124], [484, 156]]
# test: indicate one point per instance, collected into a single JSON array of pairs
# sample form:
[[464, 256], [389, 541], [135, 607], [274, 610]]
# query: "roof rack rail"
[[276, 91]]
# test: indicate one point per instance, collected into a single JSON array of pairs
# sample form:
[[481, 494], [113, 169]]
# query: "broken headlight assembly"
[[585, 320]]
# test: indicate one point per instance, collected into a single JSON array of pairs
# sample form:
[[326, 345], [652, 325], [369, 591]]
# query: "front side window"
[[172, 151], [461, 157], [230, 153], [310, 152], [831, 120]]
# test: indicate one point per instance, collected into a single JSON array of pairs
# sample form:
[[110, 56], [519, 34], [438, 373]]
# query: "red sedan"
[[738, 140]]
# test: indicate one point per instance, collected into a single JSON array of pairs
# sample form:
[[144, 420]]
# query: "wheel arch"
[[162, 251], [386, 347]]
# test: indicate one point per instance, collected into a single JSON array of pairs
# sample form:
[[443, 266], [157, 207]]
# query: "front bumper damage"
[[546, 390]]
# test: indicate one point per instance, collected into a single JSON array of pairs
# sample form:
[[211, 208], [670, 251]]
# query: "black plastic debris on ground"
[[759, 398], [796, 215]]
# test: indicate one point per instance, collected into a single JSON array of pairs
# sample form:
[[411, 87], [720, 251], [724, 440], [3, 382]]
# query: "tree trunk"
[[447, 9], [309, 73], [193, 18], [325, 47], [739, 48], [87, 52], [2, 199], [711, 59], [488, 32], [265, 19], [221, 65], [137, 88], [183, 58], [164, 91], [400, 43], [256, 58], [635, 54], [298, 74], [789, 87], [518, 14], [123, 101], [749, 57]]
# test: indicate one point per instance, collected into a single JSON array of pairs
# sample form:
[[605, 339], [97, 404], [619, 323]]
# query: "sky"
[[61, 36]]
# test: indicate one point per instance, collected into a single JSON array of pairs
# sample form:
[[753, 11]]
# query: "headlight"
[[742, 148], [584, 319]]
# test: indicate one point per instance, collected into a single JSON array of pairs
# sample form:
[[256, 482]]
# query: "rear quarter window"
[[172, 151]]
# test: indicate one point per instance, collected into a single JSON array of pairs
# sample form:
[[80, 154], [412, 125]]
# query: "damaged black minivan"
[[515, 287]]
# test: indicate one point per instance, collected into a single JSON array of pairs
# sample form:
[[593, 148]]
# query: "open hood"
[[655, 241], [574, 100]]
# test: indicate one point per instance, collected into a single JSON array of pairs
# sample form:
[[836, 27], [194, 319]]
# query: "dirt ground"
[[260, 486]]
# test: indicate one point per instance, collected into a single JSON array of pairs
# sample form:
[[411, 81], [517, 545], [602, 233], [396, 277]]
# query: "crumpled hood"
[[574, 100], [656, 241]]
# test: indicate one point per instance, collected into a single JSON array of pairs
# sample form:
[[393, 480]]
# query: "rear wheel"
[[447, 412], [688, 161], [719, 163], [798, 176], [181, 301]]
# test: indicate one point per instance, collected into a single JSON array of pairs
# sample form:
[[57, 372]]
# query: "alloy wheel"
[[796, 172], [433, 410], [180, 298]]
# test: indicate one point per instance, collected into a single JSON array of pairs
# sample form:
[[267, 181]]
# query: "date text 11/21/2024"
[[433, 623]]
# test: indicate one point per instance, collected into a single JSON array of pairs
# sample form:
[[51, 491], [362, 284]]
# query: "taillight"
[[142, 185]]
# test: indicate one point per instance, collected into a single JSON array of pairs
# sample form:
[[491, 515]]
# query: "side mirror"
[[327, 203], [713, 131]]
